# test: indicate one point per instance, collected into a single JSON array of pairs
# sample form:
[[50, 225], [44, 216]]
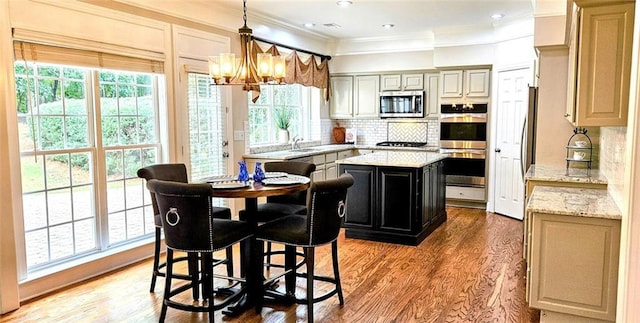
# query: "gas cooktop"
[[401, 144]]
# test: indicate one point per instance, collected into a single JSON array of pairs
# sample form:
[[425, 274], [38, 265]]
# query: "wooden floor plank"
[[468, 270]]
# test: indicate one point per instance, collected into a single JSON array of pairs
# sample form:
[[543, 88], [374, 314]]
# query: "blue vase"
[[258, 174], [243, 176]]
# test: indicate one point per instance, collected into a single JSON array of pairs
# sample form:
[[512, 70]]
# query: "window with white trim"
[[84, 132], [296, 99]]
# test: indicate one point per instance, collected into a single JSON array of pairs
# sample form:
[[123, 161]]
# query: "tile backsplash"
[[373, 131], [612, 159]]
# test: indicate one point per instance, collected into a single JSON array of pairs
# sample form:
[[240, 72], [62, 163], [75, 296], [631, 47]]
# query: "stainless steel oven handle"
[[463, 117], [465, 153]]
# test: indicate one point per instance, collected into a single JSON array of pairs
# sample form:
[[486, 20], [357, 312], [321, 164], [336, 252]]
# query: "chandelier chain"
[[244, 10]]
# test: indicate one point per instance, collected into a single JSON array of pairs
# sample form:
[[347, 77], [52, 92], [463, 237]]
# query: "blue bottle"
[[258, 174], [243, 176]]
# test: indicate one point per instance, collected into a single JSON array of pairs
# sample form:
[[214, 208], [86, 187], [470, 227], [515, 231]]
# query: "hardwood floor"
[[469, 270]]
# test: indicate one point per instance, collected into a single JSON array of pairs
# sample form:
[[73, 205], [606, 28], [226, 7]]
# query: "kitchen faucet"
[[295, 142]]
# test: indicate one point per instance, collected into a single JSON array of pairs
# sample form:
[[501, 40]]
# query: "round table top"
[[259, 190]]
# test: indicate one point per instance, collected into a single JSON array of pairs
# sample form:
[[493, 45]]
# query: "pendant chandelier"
[[247, 70]]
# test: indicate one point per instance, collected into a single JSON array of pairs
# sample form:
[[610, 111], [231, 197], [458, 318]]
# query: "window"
[[297, 99], [83, 135]]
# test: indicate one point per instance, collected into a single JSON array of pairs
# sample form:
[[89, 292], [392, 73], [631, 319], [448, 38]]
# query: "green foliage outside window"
[[60, 118], [279, 107]]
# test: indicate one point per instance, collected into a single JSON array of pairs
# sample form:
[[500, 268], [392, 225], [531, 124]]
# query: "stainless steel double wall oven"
[[463, 135]]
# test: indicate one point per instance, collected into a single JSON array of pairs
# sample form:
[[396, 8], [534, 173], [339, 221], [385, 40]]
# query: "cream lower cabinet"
[[526, 239], [326, 164], [574, 267]]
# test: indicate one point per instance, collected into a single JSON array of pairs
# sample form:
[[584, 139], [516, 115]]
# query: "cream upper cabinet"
[[477, 83], [600, 63], [412, 82], [451, 84], [402, 82], [354, 96], [390, 82], [432, 107], [341, 103], [465, 83], [366, 102]]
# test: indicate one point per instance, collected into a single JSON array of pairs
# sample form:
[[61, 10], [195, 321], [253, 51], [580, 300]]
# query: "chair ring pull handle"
[[172, 210], [341, 209]]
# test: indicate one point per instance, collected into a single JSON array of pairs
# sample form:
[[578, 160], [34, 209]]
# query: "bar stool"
[[326, 207], [176, 173], [189, 226]]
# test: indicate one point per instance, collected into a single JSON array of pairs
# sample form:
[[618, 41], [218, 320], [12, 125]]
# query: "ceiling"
[[364, 18]]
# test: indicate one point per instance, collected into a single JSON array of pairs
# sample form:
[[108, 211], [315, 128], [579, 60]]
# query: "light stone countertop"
[[287, 154], [302, 152], [584, 202], [558, 174], [413, 159], [419, 149]]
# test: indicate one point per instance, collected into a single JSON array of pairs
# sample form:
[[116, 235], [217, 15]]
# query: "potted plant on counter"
[[282, 117]]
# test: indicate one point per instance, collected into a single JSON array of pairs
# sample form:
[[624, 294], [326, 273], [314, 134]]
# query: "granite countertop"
[[413, 159], [322, 149], [302, 152], [424, 148], [558, 174], [583, 202]]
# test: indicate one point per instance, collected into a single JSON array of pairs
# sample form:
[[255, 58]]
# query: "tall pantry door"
[[512, 105]]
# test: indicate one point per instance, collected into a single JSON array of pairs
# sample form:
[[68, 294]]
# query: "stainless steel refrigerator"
[[529, 131]]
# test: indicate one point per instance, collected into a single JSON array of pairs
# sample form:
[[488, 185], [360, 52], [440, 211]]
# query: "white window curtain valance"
[[35, 52]]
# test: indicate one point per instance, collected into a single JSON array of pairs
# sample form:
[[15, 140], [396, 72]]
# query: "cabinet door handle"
[[498, 150], [566, 115]]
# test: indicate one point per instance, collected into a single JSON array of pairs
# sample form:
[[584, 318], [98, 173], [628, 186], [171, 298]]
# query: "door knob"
[[497, 150]]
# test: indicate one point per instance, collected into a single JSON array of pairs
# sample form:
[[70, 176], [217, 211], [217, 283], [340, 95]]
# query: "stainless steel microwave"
[[402, 104]]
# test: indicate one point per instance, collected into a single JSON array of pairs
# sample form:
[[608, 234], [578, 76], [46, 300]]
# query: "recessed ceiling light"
[[309, 25], [344, 3], [388, 26], [497, 16]]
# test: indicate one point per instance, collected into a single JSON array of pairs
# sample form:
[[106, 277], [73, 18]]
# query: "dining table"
[[251, 265]]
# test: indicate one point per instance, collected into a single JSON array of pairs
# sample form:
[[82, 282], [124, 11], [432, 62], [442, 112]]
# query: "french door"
[[207, 140]]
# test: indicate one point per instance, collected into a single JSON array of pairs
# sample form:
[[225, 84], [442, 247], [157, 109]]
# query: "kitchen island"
[[397, 197]]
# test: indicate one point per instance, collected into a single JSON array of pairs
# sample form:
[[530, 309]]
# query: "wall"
[[464, 55], [9, 298], [366, 63], [552, 127]]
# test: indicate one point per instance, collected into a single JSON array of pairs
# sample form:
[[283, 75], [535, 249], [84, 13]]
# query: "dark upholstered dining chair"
[[177, 173], [326, 208], [282, 205], [189, 226]]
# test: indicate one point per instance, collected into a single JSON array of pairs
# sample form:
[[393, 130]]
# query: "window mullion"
[[99, 164]]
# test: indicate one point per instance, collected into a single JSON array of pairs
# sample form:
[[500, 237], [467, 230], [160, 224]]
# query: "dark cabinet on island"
[[397, 197]]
